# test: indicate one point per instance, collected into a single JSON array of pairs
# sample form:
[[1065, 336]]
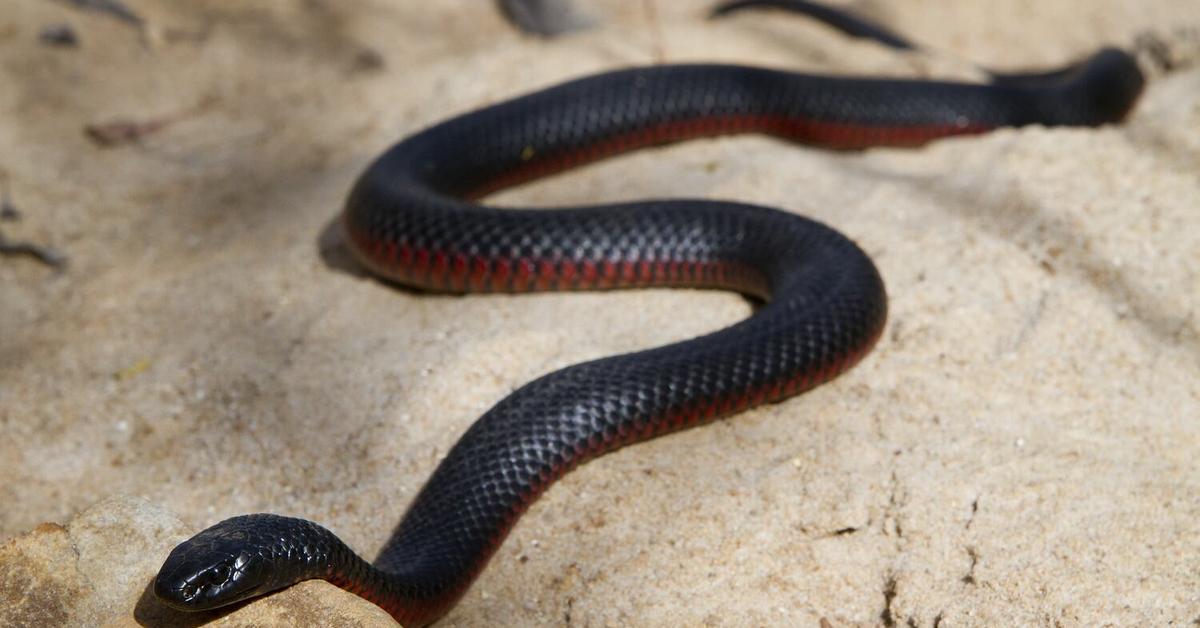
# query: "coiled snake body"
[[409, 219]]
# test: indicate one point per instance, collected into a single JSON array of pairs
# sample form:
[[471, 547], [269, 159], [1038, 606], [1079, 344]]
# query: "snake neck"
[[411, 601]]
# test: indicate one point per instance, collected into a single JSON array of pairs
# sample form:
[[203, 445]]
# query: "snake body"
[[411, 218]]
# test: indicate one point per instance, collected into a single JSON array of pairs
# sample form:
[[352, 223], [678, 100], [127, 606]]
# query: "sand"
[[1019, 449]]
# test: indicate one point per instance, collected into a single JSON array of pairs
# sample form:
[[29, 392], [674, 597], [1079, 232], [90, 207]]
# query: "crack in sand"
[[891, 514], [969, 578]]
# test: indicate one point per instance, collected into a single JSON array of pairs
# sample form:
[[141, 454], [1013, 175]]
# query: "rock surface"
[[1019, 450], [97, 570]]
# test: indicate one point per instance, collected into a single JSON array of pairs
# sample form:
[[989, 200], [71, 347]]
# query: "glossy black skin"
[[238, 560], [824, 300]]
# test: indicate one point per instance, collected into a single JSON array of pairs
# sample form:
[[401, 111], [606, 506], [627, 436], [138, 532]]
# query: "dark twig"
[[115, 8], [8, 211], [547, 18], [44, 254], [125, 131]]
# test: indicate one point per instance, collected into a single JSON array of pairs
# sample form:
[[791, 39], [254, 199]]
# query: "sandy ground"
[[1020, 449]]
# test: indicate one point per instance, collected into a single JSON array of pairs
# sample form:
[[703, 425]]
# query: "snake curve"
[[412, 218]]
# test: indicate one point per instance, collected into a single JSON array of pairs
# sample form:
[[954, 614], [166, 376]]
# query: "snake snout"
[[199, 584], [1112, 83], [237, 559], [209, 570]]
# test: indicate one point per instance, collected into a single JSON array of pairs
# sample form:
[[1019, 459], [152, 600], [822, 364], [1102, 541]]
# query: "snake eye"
[[190, 591], [219, 574]]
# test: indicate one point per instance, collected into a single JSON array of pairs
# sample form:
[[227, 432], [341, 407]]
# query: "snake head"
[[226, 563]]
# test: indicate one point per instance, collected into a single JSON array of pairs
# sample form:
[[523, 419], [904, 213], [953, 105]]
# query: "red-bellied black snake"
[[410, 219]]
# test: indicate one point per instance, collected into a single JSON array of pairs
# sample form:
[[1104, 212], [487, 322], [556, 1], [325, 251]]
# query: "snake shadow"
[[335, 252]]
